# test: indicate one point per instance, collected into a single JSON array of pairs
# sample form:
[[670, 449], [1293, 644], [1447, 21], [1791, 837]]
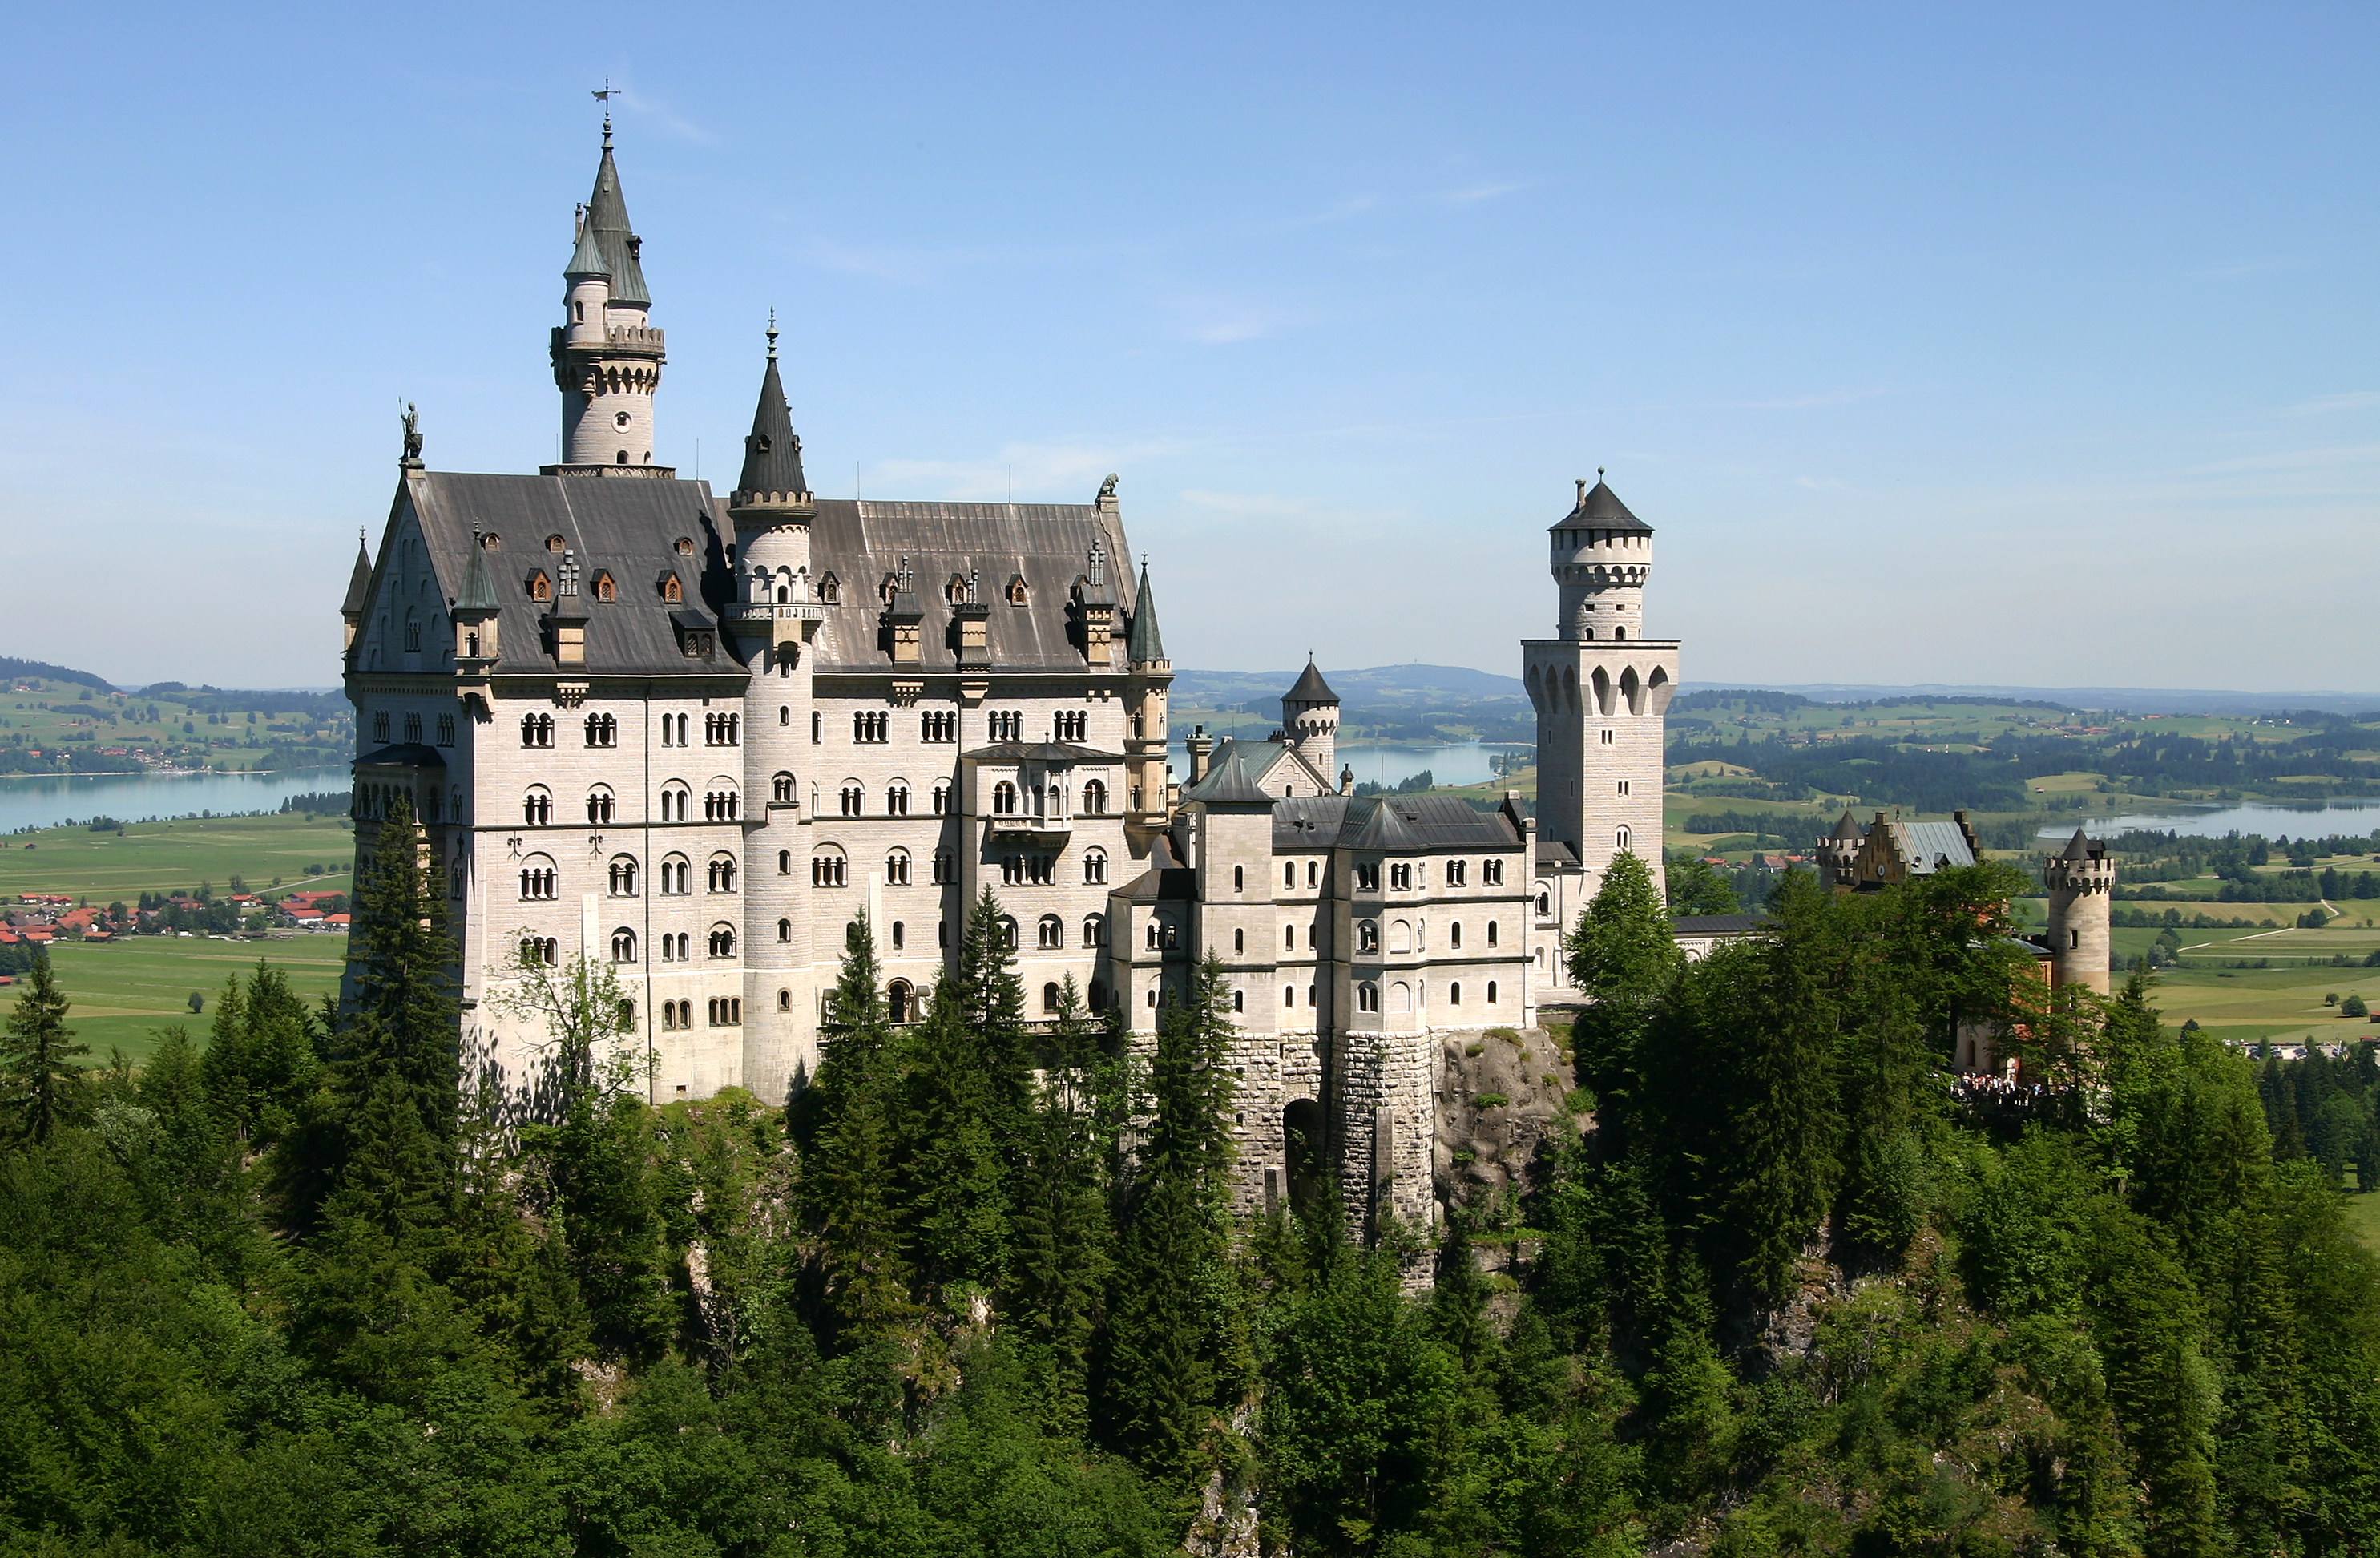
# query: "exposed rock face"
[[1500, 1108]]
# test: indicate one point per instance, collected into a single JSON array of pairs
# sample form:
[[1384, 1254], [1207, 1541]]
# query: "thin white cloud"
[[2353, 400]]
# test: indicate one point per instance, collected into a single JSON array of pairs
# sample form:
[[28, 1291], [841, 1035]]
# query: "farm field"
[[165, 857], [123, 992]]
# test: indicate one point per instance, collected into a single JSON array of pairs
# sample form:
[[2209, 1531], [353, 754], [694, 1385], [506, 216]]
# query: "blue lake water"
[[2271, 821], [44, 800]]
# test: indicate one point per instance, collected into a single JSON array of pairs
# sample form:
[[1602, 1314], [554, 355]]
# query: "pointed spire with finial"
[[772, 456]]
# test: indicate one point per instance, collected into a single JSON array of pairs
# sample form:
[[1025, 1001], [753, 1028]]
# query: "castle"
[[695, 739]]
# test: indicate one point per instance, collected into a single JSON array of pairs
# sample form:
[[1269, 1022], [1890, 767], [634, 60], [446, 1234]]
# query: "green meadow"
[[169, 856], [123, 992]]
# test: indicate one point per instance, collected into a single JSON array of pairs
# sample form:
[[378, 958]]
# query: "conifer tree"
[[850, 1158], [1168, 1343], [44, 1088]]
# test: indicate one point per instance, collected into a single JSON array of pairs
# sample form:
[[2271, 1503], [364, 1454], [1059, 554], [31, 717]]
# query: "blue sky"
[[2006, 343]]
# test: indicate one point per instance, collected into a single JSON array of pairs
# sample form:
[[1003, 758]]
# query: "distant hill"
[[13, 668]]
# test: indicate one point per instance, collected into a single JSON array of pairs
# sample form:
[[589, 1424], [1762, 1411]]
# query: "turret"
[[2082, 883], [1309, 713], [607, 359], [1602, 556]]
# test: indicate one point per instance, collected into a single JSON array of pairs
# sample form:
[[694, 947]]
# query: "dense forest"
[[1780, 1284]]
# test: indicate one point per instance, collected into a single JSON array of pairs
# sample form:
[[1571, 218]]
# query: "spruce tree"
[[44, 1088]]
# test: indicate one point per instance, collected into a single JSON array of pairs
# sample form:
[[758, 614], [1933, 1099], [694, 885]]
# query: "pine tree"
[[44, 1088], [849, 1156]]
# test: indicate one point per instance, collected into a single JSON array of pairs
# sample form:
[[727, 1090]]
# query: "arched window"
[[1367, 935], [623, 876], [599, 805], [1367, 998], [1053, 932], [1051, 999], [784, 929], [723, 941], [623, 945], [723, 873], [537, 878], [1003, 799], [896, 869], [782, 787], [1094, 930], [1094, 799], [1095, 867], [537, 807]]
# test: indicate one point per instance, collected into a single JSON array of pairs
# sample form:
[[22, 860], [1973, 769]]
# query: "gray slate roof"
[[862, 544], [1311, 687], [1415, 823], [1602, 510], [772, 456], [625, 527], [1043, 752]]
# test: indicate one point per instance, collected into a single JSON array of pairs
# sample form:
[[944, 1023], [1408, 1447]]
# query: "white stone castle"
[[696, 739]]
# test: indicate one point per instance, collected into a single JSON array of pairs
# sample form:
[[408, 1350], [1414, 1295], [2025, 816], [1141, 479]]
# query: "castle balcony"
[[1051, 831]]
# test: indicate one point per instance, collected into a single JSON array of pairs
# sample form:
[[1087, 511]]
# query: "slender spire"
[[607, 225], [772, 456], [1143, 642], [360, 581]]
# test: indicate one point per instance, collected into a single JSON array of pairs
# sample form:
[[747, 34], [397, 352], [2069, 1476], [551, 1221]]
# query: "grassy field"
[[123, 993], [161, 856]]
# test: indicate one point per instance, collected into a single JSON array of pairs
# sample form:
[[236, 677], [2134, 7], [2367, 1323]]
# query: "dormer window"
[[539, 587], [605, 590]]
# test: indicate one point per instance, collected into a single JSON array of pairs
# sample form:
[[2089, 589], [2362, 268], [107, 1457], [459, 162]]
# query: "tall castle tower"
[[607, 360], [1601, 688], [2081, 881], [773, 618]]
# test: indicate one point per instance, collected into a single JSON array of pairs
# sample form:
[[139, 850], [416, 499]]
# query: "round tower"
[[2082, 883], [1602, 556], [607, 358], [772, 618], [1309, 714]]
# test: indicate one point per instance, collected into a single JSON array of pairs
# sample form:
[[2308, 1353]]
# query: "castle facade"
[[695, 738]]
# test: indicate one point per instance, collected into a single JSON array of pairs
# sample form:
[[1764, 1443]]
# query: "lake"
[[2271, 821], [1461, 763], [44, 800]]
